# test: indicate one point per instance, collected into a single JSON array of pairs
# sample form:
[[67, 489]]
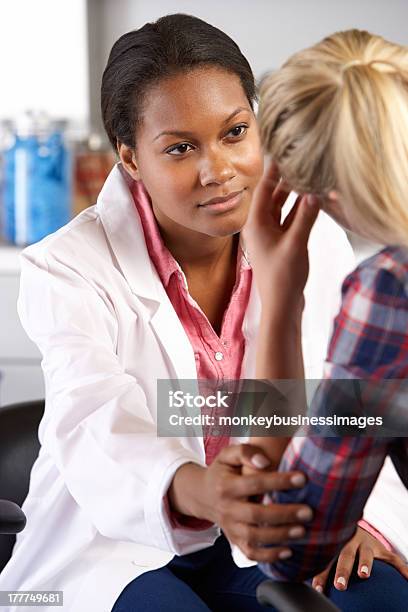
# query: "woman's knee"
[[158, 591]]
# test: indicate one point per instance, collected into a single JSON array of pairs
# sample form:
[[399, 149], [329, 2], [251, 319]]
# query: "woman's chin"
[[227, 228]]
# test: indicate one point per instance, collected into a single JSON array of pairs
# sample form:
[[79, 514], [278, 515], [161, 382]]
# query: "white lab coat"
[[92, 301]]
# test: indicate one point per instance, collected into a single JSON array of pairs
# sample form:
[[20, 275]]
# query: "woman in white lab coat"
[[153, 283]]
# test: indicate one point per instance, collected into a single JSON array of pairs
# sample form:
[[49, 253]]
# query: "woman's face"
[[198, 152]]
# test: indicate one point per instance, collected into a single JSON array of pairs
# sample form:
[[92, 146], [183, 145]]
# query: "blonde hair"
[[335, 117]]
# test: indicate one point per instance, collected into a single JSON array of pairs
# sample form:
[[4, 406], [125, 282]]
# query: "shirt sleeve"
[[375, 533], [369, 342], [182, 521]]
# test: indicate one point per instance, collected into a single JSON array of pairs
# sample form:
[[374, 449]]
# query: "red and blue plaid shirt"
[[369, 343]]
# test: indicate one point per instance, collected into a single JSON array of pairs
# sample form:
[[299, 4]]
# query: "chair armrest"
[[12, 518], [293, 597]]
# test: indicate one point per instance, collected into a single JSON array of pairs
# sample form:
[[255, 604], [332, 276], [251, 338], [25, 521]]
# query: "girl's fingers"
[[344, 567], [319, 581], [304, 218], [262, 203], [365, 561]]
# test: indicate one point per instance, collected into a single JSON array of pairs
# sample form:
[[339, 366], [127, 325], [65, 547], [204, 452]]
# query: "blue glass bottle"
[[36, 181]]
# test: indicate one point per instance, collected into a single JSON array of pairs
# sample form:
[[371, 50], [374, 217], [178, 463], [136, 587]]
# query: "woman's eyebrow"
[[238, 110], [185, 134]]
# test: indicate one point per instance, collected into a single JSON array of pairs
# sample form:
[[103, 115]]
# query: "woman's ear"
[[128, 159]]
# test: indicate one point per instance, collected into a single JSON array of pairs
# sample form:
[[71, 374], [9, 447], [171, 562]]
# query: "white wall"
[[43, 58], [268, 31], [43, 43]]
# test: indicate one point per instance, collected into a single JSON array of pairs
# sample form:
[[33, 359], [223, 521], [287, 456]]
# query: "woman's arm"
[[101, 434], [97, 426]]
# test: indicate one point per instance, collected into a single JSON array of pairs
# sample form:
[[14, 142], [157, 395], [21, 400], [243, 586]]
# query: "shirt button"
[[219, 356]]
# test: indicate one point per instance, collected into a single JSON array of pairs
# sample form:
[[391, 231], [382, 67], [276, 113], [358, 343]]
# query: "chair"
[[19, 447], [293, 597]]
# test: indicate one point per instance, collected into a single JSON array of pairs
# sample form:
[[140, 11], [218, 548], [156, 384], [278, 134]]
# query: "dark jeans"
[[209, 580], [385, 591]]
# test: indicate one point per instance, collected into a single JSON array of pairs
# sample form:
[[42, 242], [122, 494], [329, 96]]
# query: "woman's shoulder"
[[100, 236], [78, 240]]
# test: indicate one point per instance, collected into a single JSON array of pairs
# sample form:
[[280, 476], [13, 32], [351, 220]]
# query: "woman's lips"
[[223, 204]]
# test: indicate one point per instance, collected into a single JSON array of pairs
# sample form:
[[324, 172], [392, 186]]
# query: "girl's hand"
[[368, 548], [278, 250]]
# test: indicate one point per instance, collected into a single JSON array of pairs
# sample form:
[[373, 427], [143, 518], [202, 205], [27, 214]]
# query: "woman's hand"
[[278, 250], [367, 548], [221, 494]]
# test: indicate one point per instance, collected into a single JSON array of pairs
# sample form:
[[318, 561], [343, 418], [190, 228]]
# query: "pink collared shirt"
[[218, 358]]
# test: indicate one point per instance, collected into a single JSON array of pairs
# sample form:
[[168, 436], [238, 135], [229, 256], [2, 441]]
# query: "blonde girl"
[[335, 120]]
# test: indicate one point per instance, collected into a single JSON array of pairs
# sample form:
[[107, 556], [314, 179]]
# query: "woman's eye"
[[238, 130], [179, 149]]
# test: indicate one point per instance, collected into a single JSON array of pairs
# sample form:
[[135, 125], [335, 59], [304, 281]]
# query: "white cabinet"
[[20, 371]]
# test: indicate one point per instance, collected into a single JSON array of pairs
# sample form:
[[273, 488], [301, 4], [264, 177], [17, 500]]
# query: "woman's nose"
[[216, 168]]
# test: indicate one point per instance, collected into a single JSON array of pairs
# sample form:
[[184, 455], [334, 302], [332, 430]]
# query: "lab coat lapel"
[[171, 335], [125, 234]]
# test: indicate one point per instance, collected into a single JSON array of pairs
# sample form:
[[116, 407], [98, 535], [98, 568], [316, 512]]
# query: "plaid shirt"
[[370, 342]]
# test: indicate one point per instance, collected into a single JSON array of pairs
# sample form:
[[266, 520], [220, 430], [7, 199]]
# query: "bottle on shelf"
[[36, 178], [93, 160]]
